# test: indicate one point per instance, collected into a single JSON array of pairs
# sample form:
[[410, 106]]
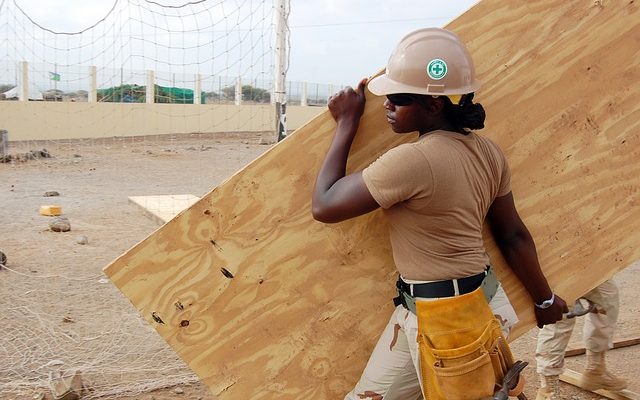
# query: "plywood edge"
[[573, 378]]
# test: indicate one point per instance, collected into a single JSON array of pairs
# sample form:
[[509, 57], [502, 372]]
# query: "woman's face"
[[409, 113]]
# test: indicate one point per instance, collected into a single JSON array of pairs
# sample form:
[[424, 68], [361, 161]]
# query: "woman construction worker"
[[446, 337], [597, 335]]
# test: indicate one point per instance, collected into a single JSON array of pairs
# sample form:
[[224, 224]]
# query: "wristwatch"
[[547, 303]]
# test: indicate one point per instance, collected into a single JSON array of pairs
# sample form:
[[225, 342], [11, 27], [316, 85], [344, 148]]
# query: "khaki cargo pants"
[[597, 332], [391, 370]]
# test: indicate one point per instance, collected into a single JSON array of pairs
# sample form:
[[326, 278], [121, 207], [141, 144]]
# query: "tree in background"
[[249, 93]]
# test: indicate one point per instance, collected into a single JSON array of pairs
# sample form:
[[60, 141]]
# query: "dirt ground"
[[57, 308]]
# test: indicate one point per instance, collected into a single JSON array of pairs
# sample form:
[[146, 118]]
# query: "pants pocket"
[[466, 378]]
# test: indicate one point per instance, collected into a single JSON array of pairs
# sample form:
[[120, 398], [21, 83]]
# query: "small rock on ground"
[[60, 224]]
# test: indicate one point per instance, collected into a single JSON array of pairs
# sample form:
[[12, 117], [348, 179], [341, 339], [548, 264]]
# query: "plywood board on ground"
[[573, 378], [263, 302], [577, 351], [163, 208]]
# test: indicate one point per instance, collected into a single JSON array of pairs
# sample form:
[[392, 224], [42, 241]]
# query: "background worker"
[[435, 194], [597, 335]]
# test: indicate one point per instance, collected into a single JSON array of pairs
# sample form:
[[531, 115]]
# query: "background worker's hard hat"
[[428, 61]]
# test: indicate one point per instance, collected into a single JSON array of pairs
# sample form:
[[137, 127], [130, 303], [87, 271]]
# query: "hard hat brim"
[[382, 85]]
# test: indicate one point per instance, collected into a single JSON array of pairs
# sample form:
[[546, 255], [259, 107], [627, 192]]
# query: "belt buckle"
[[405, 298], [410, 302], [399, 285]]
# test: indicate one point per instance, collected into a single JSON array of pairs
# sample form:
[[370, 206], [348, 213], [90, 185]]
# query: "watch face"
[[547, 303]]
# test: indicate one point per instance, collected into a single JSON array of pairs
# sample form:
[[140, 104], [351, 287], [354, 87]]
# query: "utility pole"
[[280, 93]]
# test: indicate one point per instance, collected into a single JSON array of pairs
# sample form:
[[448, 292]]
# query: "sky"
[[342, 41], [331, 41]]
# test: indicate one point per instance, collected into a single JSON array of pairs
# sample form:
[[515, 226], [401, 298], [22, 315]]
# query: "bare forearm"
[[335, 163], [519, 250], [520, 253], [337, 196]]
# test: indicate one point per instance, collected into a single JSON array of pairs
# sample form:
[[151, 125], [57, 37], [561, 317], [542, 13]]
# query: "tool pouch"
[[463, 354]]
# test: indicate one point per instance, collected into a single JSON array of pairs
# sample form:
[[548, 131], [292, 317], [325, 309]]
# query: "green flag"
[[54, 76]]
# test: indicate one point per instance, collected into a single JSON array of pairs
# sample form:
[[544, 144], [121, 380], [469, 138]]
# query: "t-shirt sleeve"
[[505, 179], [399, 174]]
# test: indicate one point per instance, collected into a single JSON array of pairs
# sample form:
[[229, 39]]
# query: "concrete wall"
[[68, 120]]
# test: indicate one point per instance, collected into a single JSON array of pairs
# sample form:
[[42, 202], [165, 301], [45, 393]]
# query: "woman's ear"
[[434, 105]]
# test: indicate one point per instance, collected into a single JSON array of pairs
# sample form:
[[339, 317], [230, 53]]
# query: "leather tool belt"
[[463, 354]]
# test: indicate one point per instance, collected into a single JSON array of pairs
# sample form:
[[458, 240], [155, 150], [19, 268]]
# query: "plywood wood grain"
[[263, 302]]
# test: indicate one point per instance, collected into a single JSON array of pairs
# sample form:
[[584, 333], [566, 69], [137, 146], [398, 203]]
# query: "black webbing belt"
[[431, 290]]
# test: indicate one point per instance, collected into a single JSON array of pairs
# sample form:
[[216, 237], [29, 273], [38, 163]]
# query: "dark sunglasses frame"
[[402, 99]]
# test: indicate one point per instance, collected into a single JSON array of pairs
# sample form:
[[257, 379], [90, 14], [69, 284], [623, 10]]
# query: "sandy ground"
[[55, 282]]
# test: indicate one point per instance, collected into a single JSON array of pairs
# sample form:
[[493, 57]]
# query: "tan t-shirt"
[[435, 194]]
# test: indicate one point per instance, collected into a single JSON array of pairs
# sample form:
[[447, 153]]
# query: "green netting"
[[137, 94], [175, 95]]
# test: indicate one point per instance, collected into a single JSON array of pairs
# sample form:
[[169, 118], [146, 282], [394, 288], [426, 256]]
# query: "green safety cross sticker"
[[437, 69]]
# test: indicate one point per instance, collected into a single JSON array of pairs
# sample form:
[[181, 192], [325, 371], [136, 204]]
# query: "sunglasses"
[[401, 99]]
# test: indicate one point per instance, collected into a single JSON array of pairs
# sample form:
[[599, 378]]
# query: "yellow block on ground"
[[50, 211]]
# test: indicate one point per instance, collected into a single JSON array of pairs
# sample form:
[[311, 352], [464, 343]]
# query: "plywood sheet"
[[263, 302]]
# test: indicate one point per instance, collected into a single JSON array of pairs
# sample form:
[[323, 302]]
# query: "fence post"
[[303, 97], [150, 89], [93, 85], [196, 93], [4, 143], [238, 92], [24, 81], [281, 64]]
